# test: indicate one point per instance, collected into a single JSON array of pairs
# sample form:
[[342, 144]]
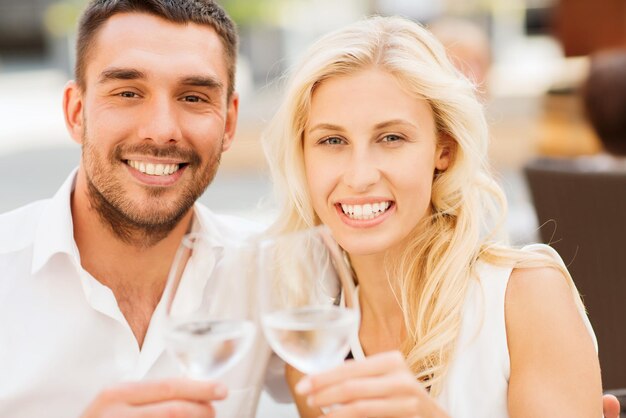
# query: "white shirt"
[[477, 381], [63, 337]]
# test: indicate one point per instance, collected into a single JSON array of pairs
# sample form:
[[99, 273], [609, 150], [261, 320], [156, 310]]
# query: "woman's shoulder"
[[533, 280], [501, 263], [533, 271], [540, 274], [541, 298], [537, 287]]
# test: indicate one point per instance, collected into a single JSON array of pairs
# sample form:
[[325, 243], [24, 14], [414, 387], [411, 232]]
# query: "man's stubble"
[[142, 227]]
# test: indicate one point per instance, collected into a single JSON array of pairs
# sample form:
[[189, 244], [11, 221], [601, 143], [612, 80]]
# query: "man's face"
[[153, 118]]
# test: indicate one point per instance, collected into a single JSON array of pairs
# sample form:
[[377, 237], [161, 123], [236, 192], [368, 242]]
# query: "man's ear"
[[445, 152], [73, 110], [231, 121]]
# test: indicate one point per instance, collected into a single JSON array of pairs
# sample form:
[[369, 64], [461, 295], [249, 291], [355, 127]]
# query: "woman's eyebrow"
[[326, 127], [394, 122]]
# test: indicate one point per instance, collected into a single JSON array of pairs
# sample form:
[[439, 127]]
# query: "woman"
[[381, 139]]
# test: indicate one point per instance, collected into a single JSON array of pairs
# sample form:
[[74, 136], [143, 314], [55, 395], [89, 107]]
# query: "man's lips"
[[155, 173], [154, 169]]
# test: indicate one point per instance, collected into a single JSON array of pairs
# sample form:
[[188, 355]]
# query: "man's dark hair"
[[203, 12], [604, 96]]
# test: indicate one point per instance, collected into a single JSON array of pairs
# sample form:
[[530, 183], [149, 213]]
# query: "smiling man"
[[153, 107]]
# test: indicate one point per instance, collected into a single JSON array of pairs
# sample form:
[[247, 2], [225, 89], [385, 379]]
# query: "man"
[[153, 107]]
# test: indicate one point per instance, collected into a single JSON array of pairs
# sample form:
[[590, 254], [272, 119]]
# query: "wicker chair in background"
[[582, 214]]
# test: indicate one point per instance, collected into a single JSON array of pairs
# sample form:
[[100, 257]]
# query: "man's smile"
[[150, 172], [153, 169]]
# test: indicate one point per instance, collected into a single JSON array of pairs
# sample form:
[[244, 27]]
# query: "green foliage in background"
[[61, 17], [252, 12]]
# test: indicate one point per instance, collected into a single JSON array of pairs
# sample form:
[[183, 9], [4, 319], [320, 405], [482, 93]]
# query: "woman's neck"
[[382, 320]]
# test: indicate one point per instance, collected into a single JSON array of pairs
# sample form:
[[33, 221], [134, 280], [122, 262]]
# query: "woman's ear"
[[445, 152], [73, 111]]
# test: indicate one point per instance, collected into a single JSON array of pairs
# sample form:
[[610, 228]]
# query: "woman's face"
[[370, 152]]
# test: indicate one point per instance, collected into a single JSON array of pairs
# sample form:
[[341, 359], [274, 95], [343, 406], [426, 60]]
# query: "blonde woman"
[[381, 139]]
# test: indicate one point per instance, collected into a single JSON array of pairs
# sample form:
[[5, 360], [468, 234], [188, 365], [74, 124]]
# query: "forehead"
[[156, 46], [369, 94]]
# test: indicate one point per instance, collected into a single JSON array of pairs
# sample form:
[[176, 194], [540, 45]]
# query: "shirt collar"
[[55, 231], [206, 222]]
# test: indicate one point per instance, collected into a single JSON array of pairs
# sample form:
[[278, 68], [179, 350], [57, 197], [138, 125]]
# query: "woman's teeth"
[[367, 211], [154, 169]]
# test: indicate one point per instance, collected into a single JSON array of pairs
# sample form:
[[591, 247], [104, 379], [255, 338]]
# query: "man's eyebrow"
[[202, 81], [111, 74]]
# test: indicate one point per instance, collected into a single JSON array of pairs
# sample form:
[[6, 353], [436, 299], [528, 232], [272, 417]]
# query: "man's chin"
[[147, 228], [158, 218]]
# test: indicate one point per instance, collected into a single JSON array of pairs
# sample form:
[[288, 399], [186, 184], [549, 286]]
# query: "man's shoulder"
[[231, 226], [18, 226], [239, 225]]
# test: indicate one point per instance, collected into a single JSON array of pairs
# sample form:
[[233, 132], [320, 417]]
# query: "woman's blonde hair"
[[468, 207]]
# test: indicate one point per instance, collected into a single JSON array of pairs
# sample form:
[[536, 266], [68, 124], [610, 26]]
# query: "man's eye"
[[128, 94], [193, 99]]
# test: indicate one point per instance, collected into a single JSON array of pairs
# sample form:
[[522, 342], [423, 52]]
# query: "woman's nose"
[[361, 172]]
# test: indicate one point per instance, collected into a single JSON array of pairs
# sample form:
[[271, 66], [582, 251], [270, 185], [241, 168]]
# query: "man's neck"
[[135, 273]]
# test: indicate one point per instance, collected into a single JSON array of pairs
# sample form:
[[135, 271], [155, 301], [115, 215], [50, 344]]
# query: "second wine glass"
[[307, 292]]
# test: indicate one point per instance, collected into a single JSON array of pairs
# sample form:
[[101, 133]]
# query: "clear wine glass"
[[205, 330], [307, 293]]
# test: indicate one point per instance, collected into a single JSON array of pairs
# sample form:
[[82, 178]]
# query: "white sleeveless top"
[[477, 381]]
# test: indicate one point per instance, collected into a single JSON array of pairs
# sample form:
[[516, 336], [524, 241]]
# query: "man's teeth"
[[367, 211], [154, 169]]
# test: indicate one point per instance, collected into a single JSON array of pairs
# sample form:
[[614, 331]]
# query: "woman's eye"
[[333, 140], [392, 138]]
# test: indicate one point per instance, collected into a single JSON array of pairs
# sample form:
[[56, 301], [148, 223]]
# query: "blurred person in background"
[[380, 139], [153, 108], [468, 48], [604, 99]]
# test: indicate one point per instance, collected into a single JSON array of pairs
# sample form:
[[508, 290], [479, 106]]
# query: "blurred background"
[[529, 58], [528, 55]]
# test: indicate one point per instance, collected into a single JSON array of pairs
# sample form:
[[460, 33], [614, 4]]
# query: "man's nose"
[[160, 122]]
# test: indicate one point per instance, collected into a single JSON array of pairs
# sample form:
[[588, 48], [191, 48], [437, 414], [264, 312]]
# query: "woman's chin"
[[363, 250]]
